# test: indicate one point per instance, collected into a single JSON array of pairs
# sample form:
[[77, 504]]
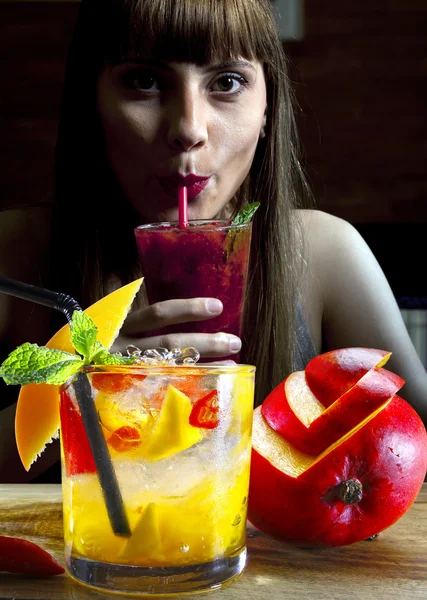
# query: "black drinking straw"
[[104, 467], [105, 470], [62, 302]]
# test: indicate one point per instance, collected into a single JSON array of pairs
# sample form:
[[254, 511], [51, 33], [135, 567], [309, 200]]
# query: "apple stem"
[[350, 491]]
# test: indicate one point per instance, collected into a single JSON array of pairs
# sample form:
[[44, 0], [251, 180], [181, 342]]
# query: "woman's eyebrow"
[[232, 64], [162, 64]]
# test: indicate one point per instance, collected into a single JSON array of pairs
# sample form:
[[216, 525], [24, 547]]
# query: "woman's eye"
[[140, 81], [229, 83]]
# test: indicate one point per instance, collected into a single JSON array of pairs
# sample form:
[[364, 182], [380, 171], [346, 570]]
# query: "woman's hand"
[[172, 312]]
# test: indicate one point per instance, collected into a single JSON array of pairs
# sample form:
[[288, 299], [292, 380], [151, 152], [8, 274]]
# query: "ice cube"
[[164, 356]]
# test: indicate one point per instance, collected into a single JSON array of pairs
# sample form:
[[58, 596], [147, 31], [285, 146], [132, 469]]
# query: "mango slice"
[[37, 411], [172, 431], [145, 539]]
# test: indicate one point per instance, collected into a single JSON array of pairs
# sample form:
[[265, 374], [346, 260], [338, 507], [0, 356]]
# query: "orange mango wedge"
[[172, 432], [37, 413]]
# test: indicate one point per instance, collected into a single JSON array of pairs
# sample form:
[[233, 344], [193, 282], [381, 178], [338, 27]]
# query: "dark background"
[[360, 75]]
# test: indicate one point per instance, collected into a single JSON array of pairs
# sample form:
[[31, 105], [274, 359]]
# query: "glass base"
[[148, 581]]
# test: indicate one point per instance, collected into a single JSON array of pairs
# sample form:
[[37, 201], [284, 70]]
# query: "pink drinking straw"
[[182, 207]]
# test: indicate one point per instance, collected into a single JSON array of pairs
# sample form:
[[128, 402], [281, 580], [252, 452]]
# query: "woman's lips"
[[195, 189], [193, 183]]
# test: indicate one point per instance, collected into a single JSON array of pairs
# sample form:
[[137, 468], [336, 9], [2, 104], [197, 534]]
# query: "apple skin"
[[332, 374], [387, 455], [371, 391]]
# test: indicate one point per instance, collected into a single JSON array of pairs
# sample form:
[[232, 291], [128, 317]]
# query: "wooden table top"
[[394, 566]]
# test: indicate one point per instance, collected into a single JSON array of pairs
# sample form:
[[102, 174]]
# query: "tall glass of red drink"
[[205, 259]]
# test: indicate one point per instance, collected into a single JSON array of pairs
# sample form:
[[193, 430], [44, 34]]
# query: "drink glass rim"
[[201, 370], [196, 369], [216, 225]]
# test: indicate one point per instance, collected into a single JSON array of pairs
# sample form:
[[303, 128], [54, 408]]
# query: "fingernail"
[[235, 344], [214, 306]]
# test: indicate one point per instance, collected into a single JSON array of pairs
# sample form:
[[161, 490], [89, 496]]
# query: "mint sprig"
[[246, 213], [102, 356], [83, 334], [30, 363]]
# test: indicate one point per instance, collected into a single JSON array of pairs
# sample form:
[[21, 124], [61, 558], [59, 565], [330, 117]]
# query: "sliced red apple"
[[294, 412], [356, 488], [332, 374], [279, 415]]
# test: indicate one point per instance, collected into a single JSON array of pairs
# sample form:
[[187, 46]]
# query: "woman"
[[157, 88]]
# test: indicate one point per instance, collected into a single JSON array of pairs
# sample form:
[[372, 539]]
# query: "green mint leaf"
[[246, 213], [30, 363], [102, 356], [83, 334], [105, 358]]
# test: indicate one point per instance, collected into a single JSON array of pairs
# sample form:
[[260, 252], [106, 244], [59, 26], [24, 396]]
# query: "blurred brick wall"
[[361, 75]]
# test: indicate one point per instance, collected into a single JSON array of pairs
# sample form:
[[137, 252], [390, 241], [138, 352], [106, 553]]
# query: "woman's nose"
[[187, 128]]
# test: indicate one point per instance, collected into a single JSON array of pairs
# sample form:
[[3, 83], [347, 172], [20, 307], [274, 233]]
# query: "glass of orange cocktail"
[[179, 439]]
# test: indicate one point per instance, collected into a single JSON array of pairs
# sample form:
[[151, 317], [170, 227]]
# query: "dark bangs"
[[198, 31]]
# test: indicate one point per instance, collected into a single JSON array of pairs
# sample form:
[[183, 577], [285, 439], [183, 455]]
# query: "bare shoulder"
[[342, 262], [324, 238], [332, 246], [324, 231]]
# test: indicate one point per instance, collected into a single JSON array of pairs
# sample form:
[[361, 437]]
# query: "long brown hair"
[[94, 221]]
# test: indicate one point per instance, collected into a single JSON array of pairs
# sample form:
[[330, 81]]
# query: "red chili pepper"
[[205, 412], [22, 556]]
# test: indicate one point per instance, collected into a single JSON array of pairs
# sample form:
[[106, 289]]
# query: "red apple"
[[336, 472], [295, 413], [333, 373]]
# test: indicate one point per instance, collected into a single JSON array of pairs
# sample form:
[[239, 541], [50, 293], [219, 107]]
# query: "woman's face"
[[166, 121]]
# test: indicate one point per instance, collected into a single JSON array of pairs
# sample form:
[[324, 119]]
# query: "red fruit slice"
[[314, 435], [125, 438], [192, 386], [363, 399], [77, 453], [114, 382], [332, 374], [278, 414]]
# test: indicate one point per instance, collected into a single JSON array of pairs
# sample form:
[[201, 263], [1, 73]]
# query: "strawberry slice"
[[77, 453]]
